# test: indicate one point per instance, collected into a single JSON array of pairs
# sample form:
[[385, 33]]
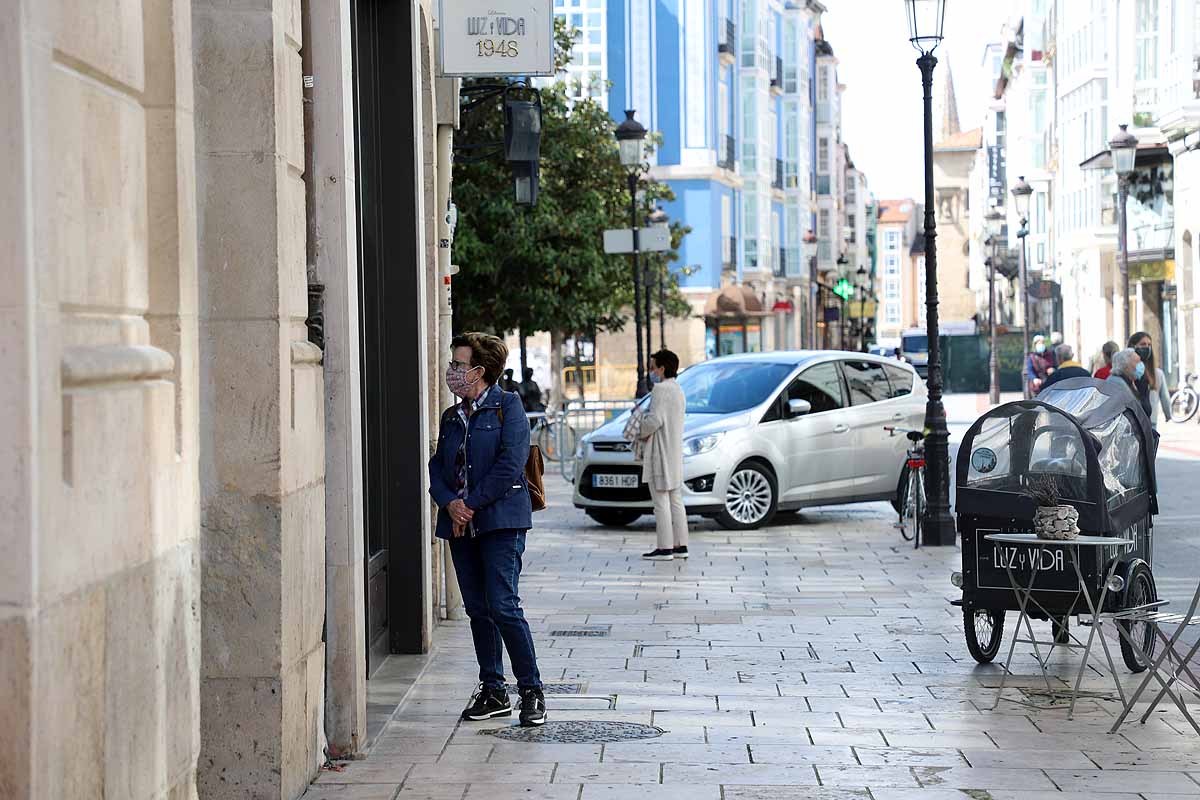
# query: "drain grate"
[[578, 732], [555, 688], [583, 630]]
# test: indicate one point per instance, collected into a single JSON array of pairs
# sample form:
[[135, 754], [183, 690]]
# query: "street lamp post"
[[925, 21], [1124, 154], [993, 219], [1021, 193], [631, 138], [862, 307]]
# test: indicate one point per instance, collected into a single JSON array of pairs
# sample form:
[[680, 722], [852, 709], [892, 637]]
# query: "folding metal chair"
[[1169, 679]]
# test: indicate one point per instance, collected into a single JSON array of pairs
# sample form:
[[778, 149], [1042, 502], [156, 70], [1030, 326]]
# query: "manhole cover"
[[554, 688], [578, 732]]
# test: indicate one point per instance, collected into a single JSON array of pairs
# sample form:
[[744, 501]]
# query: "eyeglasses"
[[460, 365]]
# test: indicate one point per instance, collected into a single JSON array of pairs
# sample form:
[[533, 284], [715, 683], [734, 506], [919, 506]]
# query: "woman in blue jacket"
[[477, 479]]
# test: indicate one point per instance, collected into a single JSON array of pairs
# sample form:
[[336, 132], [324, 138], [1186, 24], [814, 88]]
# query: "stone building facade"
[[209, 522]]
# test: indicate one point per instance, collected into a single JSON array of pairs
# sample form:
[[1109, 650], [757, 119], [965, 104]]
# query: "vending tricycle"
[[1091, 442]]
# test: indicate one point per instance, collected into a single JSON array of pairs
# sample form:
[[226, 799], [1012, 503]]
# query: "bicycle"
[[912, 502], [1186, 401], [553, 435]]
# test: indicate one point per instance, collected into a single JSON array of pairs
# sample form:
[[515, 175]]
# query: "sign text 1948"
[[497, 37]]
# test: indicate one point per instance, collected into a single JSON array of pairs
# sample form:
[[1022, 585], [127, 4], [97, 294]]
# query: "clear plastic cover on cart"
[[1074, 425]]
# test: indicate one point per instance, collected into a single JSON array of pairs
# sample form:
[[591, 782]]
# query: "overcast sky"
[[881, 116]]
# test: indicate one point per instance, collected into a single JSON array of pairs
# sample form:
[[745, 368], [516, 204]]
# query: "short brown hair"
[[487, 351]]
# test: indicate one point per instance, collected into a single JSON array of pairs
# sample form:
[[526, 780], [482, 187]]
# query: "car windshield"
[[917, 343], [725, 387]]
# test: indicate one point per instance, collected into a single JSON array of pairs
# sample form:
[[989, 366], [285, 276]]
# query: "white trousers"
[[670, 519]]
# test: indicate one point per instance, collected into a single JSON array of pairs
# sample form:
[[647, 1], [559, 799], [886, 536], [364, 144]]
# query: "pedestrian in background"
[[477, 479], [531, 393], [1037, 367], [1126, 367], [662, 461], [1056, 339], [1068, 367], [508, 384], [1107, 352], [1152, 384]]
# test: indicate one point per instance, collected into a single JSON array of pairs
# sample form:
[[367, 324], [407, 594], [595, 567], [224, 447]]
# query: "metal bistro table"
[[1025, 599]]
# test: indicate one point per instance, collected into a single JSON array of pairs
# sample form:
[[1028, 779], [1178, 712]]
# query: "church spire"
[[947, 102]]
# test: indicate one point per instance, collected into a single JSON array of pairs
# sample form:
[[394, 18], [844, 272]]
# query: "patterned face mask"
[[457, 380]]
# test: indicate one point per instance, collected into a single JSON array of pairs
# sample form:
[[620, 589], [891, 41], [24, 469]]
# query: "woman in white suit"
[[662, 457]]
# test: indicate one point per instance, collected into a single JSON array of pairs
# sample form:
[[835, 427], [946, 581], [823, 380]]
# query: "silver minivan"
[[768, 432]]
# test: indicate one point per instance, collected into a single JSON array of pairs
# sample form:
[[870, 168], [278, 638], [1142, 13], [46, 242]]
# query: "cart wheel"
[[1062, 630], [1139, 591], [984, 628]]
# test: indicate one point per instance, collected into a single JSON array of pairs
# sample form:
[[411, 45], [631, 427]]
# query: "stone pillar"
[[336, 261], [99, 628], [263, 465]]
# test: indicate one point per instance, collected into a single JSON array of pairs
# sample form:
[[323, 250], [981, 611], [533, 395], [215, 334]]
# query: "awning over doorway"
[[734, 301]]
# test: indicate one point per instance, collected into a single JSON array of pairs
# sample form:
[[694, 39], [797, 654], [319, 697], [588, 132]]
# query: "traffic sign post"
[[654, 239]]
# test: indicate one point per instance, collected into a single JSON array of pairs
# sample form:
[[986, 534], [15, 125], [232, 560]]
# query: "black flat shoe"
[[486, 703], [533, 708]]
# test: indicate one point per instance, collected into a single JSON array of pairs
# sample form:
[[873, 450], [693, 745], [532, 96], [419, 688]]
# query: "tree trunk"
[[555, 392], [524, 352], [579, 367]]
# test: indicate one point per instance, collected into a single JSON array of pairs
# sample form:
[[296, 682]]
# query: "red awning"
[[783, 305]]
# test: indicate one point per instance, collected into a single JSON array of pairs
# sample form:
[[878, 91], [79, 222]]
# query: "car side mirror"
[[798, 408]]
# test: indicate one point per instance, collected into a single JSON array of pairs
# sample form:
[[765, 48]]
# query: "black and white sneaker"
[[659, 555], [680, 552], [488, 702], [533, 707]]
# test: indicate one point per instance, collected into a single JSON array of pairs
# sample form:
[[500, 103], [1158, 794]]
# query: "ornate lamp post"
[[1021, 193], [925, 22], [1124, 154], [631, 142], [994, 220]]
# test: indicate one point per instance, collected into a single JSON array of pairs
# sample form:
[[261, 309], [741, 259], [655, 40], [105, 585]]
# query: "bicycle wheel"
[[919, 508], [1184, 404], [910, 517], [984, 629], [547, 441]]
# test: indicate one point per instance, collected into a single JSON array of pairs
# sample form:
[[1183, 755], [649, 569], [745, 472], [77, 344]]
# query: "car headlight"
[[581, 447], [697, 445]]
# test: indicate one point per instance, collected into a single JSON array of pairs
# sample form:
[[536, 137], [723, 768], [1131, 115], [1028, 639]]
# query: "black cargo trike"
[[1092, 444]]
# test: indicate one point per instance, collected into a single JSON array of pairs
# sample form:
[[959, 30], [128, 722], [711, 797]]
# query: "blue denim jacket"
[[496, 456]]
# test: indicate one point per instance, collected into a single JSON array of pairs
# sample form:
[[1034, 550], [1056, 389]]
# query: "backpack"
[[535, 468]]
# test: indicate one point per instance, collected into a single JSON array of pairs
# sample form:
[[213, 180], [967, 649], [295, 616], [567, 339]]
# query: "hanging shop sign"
[[496, 38]]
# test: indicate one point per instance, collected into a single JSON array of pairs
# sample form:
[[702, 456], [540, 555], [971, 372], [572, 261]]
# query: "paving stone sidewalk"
[[817, 659]]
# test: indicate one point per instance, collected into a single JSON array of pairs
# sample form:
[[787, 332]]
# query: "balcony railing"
[[727, 154], [727, 38], [778, 182]]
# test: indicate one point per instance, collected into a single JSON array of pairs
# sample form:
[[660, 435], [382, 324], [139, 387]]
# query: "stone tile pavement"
[[817, 659]]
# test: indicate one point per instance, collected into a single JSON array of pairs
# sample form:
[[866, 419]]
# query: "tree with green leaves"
[[544, 268]]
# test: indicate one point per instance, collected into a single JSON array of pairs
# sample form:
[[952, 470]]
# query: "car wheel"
[[750, 498], [613, 517]]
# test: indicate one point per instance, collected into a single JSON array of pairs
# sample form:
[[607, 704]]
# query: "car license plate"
[[615, 481]]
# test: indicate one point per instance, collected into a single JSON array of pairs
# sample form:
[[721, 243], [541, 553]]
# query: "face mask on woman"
[[457, 381], [1140, 370], [1145, 352], [1039, 347]]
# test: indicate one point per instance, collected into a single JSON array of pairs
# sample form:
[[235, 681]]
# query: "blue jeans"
[[489, 567]]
